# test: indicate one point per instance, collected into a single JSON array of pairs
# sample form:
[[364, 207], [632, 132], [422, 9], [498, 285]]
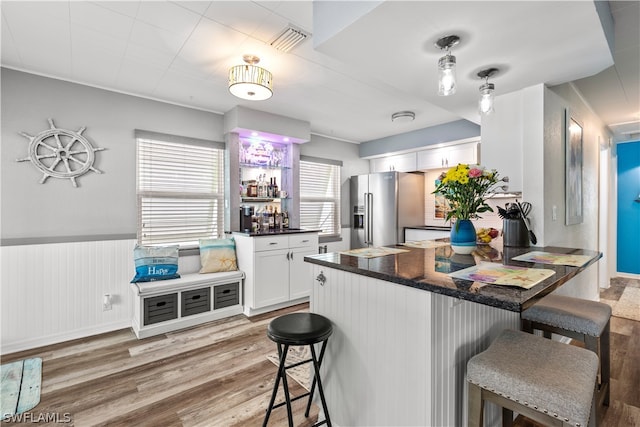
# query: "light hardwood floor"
[[211, 375], [218, 375]]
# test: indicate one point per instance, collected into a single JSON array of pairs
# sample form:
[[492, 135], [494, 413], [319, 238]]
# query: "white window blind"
[[320, 195], [180, 191]]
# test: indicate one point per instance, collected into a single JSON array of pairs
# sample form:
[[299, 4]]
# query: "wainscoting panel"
[[398, 355], [468, 328], [377, 324], [54, 292]]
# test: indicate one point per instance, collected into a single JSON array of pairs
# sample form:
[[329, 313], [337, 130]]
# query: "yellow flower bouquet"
[[465, 187]]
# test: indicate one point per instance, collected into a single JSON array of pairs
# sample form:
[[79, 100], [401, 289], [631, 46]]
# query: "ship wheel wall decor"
[[61, 153]]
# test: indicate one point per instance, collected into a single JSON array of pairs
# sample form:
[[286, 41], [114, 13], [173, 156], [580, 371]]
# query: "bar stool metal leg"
[[281, 374], [316, 379]]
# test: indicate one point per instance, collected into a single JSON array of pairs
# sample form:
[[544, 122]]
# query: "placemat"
[[373, 252], [553, 258], [425, 244], [508, 275]]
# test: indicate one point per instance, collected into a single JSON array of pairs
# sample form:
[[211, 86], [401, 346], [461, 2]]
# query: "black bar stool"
[[299, 329]]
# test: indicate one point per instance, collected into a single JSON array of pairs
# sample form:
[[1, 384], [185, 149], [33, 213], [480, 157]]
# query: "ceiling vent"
[[289, 38]]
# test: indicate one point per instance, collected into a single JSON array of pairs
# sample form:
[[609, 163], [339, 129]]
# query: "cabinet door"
[[382, 164], [271, 284], [464, 153], [300, 272], [447, 157], [399, 163], [431, 159]]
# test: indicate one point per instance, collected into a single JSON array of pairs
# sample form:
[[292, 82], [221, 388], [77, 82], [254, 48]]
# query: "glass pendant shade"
[[250, 82], [486, 98], [447, 75]]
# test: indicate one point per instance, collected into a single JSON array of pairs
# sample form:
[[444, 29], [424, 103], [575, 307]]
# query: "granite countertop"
[[428, 269], [284, 231]]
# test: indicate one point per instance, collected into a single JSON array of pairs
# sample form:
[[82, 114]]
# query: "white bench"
[[168, 305]]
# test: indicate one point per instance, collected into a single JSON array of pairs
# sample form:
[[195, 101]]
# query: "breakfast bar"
[[405, 328]]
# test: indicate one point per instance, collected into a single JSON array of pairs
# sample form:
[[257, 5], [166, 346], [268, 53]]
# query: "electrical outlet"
[[554, 213], [106, 302]]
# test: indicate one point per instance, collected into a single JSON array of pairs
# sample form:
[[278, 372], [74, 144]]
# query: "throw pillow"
[[155, 263], [218, 255]]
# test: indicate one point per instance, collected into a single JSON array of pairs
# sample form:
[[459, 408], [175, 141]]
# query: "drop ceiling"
[[372, 59]]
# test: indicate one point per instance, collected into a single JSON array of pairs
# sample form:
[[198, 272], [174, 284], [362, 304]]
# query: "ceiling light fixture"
[[447, 66], [403, 116], [249, 81], [485, 105]]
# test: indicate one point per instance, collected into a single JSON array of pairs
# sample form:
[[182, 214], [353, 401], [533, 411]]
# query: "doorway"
[[628, 240]]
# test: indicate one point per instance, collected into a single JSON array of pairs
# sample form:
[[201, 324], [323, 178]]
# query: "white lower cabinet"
[[276, 274]]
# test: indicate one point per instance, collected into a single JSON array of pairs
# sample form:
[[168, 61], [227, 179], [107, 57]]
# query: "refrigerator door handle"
[[369, 222], [366, 218]]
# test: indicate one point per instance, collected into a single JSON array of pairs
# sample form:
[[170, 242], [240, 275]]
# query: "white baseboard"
[[628, 275], [67, 336]]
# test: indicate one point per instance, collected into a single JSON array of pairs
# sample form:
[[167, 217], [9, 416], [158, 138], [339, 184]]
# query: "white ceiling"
[[348, 86]]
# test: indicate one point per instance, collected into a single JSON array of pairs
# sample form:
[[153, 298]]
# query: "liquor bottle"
[[260, 186], [258, 220], [285, 219], [272, 219], [265, 221], [276, 193], [278, 219]]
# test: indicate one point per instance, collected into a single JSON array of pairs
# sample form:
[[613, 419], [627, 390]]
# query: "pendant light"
[[485, 104], [447, 66], [249, 81]]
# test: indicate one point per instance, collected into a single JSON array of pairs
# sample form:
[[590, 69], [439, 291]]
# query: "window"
[[320, 195], [180, 189]]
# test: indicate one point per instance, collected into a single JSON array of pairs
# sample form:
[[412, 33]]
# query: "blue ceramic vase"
[[463, 236]]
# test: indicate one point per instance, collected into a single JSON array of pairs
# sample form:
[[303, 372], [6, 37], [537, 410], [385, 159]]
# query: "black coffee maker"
[[246, 213]]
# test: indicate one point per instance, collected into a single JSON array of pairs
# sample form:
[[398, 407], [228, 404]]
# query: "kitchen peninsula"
[[404, 330]]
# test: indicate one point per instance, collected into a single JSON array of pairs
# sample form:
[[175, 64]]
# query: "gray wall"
[[446, 132], [103, 204]]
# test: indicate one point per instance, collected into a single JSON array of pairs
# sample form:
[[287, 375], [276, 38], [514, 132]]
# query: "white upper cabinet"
[[399, 163], [445, 157]]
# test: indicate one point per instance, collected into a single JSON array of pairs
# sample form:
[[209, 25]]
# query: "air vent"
[[289, 38]]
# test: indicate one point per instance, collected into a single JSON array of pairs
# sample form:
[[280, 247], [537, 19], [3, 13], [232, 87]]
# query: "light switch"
[[554, 213]]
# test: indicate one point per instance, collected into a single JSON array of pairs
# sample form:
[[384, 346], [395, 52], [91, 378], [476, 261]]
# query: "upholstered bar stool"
[[299, 329], [584, 320], [544, 380]]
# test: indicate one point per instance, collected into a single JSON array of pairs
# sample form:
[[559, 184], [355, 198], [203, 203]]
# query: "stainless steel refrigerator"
[[382, 204]]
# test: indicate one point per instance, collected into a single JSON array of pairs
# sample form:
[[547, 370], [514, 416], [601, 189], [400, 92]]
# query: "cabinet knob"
[[321, 278]]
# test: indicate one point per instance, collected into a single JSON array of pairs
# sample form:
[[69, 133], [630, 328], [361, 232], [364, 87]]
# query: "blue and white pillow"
[[155, 263], [218, 255]]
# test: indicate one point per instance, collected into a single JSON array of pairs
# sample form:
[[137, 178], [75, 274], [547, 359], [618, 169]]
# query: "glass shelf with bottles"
[[246, 199], [261, 188], [262, 154]]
